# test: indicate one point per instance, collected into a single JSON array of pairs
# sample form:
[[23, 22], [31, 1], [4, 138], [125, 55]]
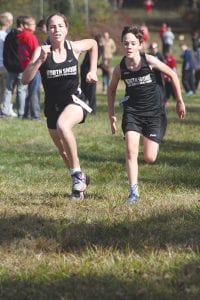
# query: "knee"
[[150, 158], [62, 127]]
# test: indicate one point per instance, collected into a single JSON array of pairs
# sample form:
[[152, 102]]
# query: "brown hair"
[[59, 15], [134, 30]]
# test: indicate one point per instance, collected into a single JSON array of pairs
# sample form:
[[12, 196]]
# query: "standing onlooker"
[[153, 50], [5, 24], [197, 66], [145, 31], [28, 42], [13, 66], [143, 108], [187, 70], [168, 40], [170, 61], [89, 89], [9, 17], [148, 6], [162, 30], [195, 40], [109, 49], [41, 31]]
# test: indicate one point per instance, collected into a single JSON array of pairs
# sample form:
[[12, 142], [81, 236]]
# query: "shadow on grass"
[[176, 228], [108, 286]]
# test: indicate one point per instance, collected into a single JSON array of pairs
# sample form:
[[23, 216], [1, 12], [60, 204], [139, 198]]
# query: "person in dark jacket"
[[188, 79], [89, 89], [13, 66]]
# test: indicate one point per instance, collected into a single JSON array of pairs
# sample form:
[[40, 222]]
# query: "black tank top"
[[142, 89], [60, 80]]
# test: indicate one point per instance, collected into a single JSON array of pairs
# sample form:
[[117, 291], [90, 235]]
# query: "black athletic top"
[[144, 94], [60, 80]]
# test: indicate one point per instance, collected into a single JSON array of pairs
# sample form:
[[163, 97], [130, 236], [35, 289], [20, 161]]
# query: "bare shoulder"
[[151, 59]]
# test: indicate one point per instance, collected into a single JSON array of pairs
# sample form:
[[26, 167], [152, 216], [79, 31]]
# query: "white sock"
[[134, 187], [74, 170]]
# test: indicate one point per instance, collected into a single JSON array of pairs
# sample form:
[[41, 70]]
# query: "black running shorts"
[[53, 112], [52, 116], [152, 127]]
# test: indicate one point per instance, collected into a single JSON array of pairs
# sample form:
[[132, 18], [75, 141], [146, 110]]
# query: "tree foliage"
[[82, 13]]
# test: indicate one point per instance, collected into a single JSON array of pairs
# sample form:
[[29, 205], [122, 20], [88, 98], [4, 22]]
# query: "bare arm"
[[157, 64], [39, 56], [111, 98], [91, 46]]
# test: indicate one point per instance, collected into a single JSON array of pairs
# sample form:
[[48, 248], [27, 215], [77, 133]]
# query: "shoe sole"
[[132, 202], [76, 195]]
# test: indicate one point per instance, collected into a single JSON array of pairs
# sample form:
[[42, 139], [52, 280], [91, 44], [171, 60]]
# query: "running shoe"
[[133, 195], [76, 195], [80, 181]]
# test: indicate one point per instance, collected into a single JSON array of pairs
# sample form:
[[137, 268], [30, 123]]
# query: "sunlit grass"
[[54, 248]]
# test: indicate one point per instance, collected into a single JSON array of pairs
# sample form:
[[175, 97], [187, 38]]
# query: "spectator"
[[41, 31], [187, 70], [145, 31], [168, 40], [163, 29], [9, 17], [170, 61], [153, 50], [197, 66], [4, 27], [195, 40], [106, 74], [89, 89], [109, 49], [13, 66], [28, 42], [148, 6]]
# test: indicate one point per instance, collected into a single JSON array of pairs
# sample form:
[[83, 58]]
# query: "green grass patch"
[[54, 248]]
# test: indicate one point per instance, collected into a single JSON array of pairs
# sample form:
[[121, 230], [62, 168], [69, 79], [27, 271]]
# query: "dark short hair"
[[134, 30], [41, 23], [20, 20]]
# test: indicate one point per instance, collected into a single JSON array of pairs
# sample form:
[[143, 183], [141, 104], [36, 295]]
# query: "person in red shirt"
[[145, 31], [27, 43], [148, 6], [170, 61]]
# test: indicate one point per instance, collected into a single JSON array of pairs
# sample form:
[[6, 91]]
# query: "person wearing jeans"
[[27, 43], [13, 66], [14, 79], [32, 106]]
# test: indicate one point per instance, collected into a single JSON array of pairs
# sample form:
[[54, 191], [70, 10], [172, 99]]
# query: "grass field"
[[54, 248], [57, 249]]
